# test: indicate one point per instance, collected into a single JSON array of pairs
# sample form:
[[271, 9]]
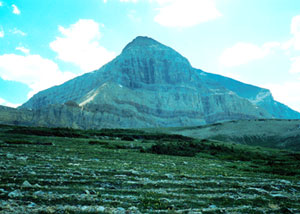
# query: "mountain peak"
[[144, 39], [142, 42], [145, 60]]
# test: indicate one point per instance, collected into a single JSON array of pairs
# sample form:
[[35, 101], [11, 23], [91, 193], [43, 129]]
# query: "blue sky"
[[44, 43]]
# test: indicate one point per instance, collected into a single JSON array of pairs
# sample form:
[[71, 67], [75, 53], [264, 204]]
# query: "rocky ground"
[[72, 175]]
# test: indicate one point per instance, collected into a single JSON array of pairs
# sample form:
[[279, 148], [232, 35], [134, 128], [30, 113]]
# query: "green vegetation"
[[125, 134], [258, 159], [132, 171]]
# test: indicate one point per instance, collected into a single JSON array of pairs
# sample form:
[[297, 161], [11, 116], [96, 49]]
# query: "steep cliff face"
[[149, 85]]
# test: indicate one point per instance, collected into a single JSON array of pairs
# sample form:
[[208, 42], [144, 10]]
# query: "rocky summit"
[[148, 85]]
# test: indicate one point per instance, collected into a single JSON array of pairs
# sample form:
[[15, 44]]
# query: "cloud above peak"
[[185, 13], [80, 44], [182, 13]]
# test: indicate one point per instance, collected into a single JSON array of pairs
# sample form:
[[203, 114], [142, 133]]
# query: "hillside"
[[130, 171], [274, 133]]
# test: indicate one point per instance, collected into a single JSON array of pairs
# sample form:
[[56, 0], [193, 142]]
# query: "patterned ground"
[[64, 175]]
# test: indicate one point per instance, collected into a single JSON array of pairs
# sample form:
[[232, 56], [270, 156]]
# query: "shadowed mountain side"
[[258, 96]]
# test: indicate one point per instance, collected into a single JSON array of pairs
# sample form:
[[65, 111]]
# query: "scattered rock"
[[278, 195], [31, 205], [15, 194], [258, 190], [3, 191], [134, 210], [26, 184], [38, 193], [213, 206], [32, 173], [37, 185], [22, 158], [10, 156], [86, 209], [100, 209], [120, 210], [285, 182], [134, 172], [170, 176]]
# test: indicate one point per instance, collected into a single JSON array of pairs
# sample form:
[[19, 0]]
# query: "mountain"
[[151, 85]]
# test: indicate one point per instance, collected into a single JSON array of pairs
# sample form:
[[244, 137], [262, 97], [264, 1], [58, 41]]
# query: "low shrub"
[[188, 149], [94, 142]]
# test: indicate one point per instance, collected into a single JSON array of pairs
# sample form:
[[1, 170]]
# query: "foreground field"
[[120, 171]]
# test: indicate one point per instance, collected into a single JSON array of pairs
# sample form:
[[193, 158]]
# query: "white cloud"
[[185, 13], [295, 66], [182, 13], [287, 93], [79, 44], [33, 70], [1, 32], [5, 103], [243, 53], [1, 4], [22, 49], [294, 42], [295, 25], [133, 16], [16, 10], [134, 1], [269, 46], [17, 31]]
